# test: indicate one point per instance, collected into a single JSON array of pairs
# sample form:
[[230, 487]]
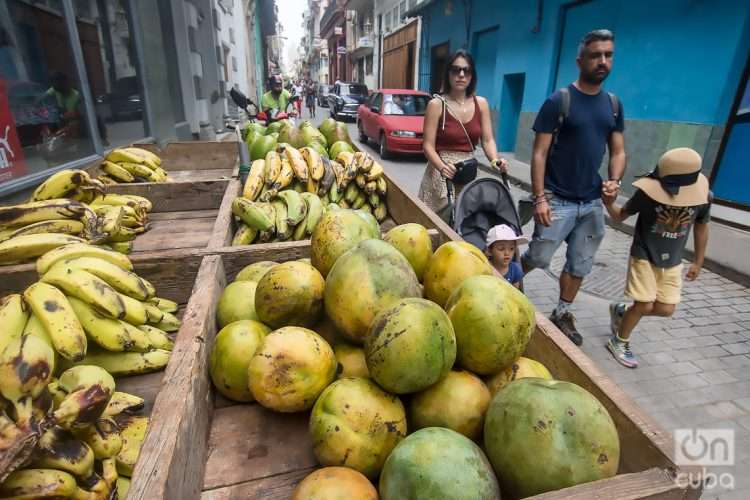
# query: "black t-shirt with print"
[[661, 230]]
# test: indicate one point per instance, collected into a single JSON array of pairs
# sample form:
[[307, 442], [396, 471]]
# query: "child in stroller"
[[502, 247]]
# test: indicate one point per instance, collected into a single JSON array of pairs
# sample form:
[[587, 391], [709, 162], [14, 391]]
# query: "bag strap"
[[453, 114], [563, 113], [615, 102]]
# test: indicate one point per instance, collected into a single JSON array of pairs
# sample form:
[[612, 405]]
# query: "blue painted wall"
[[676, 60]]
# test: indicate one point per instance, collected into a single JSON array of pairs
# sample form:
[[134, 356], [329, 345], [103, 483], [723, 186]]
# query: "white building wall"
[[231, 34]]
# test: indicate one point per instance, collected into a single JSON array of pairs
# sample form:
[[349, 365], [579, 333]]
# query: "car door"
[[332, 97], [373, 122], [363, 112]]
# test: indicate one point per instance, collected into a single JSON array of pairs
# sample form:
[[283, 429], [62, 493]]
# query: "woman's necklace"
[[462, 104]]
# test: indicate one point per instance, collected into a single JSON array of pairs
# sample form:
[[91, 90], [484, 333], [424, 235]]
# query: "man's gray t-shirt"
[[661, 230]]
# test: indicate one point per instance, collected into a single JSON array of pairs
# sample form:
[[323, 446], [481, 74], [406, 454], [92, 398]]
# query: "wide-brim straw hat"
[[676, 180]]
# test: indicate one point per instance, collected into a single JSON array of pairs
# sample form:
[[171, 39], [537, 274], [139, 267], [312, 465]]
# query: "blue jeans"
[[579, 224]]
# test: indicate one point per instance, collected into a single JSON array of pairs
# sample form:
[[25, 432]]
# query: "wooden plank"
[[200, 175], [223, 229], [270, 488], [146, 386], [248, 442], [184, 214], [200, 155], [171, 463], [181, 233], [651, 483], [177, 196]]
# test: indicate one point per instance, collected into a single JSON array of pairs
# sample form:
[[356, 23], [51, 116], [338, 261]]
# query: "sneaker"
[[621, 351], [616, 311], [567, 324]]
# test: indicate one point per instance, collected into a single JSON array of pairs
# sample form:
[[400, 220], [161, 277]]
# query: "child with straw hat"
[[669, 201]]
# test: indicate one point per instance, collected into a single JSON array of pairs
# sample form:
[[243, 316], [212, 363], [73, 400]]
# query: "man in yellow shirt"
[[276, 98]]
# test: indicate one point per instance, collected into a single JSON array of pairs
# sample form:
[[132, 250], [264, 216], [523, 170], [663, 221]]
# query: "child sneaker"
[[620, 349], [616, 312]]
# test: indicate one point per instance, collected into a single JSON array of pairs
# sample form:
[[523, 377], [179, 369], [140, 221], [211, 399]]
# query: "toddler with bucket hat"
[[669, 201], [502, 241]]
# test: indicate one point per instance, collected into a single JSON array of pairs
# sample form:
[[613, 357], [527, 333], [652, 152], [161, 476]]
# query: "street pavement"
[[694, 368]]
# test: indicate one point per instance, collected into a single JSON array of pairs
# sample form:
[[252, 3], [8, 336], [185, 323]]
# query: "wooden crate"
[[201, 445]]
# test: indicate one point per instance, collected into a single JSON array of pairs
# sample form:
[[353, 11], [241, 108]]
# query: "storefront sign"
[[338, 30], [12, 161], [341, 50]]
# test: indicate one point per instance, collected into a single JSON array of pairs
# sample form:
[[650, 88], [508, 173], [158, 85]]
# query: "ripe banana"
[[25, 371], [314, 163], [35, 484], [125, 282], [257, 215], [143, 203], [158, 339], [131, 155], [335, 193], [13, 317], [314, 211], [161, 174], [283, 229], [88, 389], [123, 485], [139, 203], [266, 236], [371, 187], [87, 287], [56, 314], [135, 310], [295, 206], [285, 177], [244, 235], [37, 211], [103, 437], [272, 168], [298, 163], [380, 212], [36, 328], [154, 315], [140, 170], [312, 186], [254, 182], [169, 323], [123, 247], [347, 160], [164, 304], [122, 402], [329, 176], [110, 218], [366, 208], [133, 432], [68, 252], [145, 153], [107, 180], [61, 185], [61, 226], [59, 449], [339, 172], [362, 161], [121, 364], [111, 334], [117, 171], [360, 180], [375, 172], [29, 246]]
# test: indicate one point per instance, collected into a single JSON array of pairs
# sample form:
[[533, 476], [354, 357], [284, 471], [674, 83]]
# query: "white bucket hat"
[[503, 232]]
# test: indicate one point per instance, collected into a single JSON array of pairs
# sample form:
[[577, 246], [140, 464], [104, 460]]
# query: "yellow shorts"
[[648, 283]]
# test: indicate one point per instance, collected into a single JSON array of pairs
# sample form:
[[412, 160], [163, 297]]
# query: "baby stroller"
[[481, 204]]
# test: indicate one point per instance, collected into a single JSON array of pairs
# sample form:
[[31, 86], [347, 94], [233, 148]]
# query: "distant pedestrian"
[[310, 95], [573, 128], [454, 123], [668, 202], [502, 242]]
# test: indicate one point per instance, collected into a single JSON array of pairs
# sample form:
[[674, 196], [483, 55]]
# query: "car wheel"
[[383, 149], [362, 135]]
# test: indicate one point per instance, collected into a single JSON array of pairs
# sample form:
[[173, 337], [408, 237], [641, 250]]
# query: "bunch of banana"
[[74, 184], [122, 217], [126, 165]]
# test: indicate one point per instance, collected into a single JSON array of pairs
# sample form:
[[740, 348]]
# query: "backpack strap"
[[563, 113], [615, 102]]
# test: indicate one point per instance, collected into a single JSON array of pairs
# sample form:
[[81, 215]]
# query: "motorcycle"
[[277, 115]]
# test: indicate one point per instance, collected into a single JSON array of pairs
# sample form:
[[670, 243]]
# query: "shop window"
[[112, 71], [42, 117], [368, 64], [387, 21], [402, 10]]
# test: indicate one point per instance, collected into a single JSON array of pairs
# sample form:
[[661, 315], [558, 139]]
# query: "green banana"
[[283, 229], [314, 211], [88, 391], [373, 200], [351, 193], [158, 339], [35, 484], [333, 206], [257, 215], [360, 181], [59, 449], [25, 370], [371, 187], [122, 402], [123, 485], [299, 231], [335, 194], [56, 314], [111, 334], [359, 201], [381, 211], [125, 234], [125, 282], [123, 247], [382, 185], [366, 208], [169, 323], [121, 364], [103, 437], [244, 235], [133, 431], [69, 252], [296, 209], [13, 317], [266, 236], [87, 287], [164, 304]]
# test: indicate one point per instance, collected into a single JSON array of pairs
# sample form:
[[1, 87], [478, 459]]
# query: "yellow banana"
[[360, 180], [30, 246], [37, 211], [382, 186], [375, 172], [133, 431], [283, 229], [254, 182], [140, 170], [121, 364], [164, 304], [296, 209], [329, 176], [61, 226], [145, 153], [131, 155], [110, 217], [285, 177], [359, 201], [117, 171], [53, 310], [362, 161], [59, 449], [169, 323], [154, 315], [102, 437], [107, 180], [61, 185], [122, 402], [298, 163], [13, 317], [111, 334], [88, 390], [380, 212], [244, 235], [124, 281], [36, 328], [371, 187], [158, 339], [314, 163], [135, 310], [312, 186], [25, 371], [143, 203], [68, 252], [123, 485], [122, 200], [256, 215], [161, 174], [339, 172], [36, 484], [314, 211], [272, 167], [86, 287]]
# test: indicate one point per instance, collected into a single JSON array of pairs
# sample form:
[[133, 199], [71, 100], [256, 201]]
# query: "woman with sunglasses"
[[454, 122]]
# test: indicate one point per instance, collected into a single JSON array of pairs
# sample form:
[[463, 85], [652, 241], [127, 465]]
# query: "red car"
[[394, 118]]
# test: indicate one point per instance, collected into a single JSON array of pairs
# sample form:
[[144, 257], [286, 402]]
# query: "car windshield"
[[405, 104], [353, 89], [324, 89]]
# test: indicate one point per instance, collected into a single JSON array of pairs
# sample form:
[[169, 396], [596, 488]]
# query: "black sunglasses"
[[456, 70]]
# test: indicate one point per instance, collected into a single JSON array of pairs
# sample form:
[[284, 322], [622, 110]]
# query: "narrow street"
[[694, 367]]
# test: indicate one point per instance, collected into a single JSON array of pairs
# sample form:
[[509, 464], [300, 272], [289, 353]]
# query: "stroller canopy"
[[482, 204]]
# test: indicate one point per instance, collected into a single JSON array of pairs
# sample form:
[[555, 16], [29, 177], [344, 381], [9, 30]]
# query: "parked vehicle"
[[124, 101], [323, 91], [345, 98], [395, 119]]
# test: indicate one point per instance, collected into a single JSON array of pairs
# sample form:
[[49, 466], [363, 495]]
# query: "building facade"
[[397, 41], [679, 70], [361, 41], [333, 32]]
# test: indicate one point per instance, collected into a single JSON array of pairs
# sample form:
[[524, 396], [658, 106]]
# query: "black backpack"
[[565, 110]]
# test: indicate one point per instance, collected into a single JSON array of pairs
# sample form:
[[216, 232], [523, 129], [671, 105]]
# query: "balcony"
[[363, 46]]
